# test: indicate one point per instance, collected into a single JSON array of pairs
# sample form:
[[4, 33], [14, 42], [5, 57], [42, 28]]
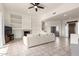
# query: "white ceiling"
[[72, 14], [23, 7], [60, 8]]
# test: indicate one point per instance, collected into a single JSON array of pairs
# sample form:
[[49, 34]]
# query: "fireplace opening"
[[26, 32]]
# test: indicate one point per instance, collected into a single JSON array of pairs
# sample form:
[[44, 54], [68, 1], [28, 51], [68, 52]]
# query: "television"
[[8, 30]]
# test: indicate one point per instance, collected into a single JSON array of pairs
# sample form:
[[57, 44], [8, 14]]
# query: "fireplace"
[[26, 32]]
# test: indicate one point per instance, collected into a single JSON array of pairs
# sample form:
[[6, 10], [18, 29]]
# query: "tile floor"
[[60, 47]]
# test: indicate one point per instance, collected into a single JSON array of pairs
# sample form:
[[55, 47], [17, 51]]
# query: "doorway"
[[53, 29], [71, 28]]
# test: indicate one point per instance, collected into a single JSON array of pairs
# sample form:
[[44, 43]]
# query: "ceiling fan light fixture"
[[35, 6]]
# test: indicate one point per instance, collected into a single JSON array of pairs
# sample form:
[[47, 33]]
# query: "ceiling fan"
[[36, 6]]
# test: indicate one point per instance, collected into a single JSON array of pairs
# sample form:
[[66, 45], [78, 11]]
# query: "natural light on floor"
[[3, 51]]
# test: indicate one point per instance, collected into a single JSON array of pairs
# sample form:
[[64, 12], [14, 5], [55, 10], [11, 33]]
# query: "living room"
[[37, 27]]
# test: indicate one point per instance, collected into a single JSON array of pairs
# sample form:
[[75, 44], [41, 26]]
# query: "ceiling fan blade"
[[36, 9], [32, 4], [37, 4], [40, 7], [30, 7]]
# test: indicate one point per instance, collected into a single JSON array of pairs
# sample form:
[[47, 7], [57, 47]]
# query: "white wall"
[[26, 23], [7, 19], [66, 25], [29, 22], [2, 41], [15, 31], [62, 24], [66, 30], [1, 30], [53, 22], [18, 33], [35, 23]]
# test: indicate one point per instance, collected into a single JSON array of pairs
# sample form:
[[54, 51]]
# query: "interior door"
[[71, 28], [53, 29]]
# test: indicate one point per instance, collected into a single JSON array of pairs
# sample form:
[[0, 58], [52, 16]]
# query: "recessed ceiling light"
[[35, 6]]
